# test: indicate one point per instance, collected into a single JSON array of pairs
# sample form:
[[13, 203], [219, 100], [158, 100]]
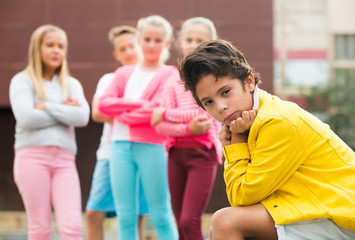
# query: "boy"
[[288, 176], [100, 203]]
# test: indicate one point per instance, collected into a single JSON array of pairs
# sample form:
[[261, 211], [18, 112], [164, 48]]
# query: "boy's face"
[[226, 98], [125, 49]]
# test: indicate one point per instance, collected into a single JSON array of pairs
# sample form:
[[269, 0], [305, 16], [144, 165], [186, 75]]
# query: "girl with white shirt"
[[48, 104], [137, 149]]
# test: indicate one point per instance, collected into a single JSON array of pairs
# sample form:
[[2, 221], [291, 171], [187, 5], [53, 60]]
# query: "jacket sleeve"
[[171, 95], [277, 155], [173, 129], [22, 101], [185, 116], [77, 116], [138, 116], [111, 101], [176, 122], [143, 114]]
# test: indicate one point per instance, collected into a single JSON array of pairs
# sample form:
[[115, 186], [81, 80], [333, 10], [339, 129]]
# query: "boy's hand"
[[225, 135], [243, 123], [199, 125], [157, 116]]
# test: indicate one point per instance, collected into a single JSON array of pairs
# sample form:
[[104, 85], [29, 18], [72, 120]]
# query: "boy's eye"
[[225, 92], [207, 103]]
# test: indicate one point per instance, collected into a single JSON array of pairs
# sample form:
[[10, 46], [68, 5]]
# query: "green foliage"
[[337, 101]]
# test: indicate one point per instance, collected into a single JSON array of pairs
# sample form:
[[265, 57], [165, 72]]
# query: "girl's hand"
[[157, 116], [225, 135], [199, 125], [40, 106], [70, 101], [242, 124]]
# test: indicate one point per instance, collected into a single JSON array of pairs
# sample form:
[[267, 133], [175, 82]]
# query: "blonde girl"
[[137, 149], [48, 104], [193, 145]]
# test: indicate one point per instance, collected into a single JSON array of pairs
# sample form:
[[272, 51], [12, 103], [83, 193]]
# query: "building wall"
[[247, 24], [301, 46], [341, 16]]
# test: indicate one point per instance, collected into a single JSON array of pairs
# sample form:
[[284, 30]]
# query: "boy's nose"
[[222, 106]]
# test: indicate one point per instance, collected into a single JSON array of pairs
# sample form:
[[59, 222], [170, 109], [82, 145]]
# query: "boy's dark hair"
[[217, 57]]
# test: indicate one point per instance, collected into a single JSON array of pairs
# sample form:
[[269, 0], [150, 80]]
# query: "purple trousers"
[[191, 174]]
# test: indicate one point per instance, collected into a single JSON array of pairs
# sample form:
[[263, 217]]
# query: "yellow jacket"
[[294, 165]]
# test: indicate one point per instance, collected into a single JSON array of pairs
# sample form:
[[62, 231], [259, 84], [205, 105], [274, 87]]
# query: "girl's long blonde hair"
[[34, 68]]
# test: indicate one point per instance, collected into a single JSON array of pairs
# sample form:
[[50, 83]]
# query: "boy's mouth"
[[229, 118]]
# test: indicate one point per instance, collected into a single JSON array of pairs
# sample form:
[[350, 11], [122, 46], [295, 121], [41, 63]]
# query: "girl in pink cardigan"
[[192, 140], [137, 149]]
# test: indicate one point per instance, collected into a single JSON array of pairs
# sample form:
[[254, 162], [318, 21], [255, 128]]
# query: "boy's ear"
[[250, 83], [116, 56]]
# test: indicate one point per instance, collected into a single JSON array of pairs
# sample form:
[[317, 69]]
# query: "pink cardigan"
[[181, 108], [136, 114]]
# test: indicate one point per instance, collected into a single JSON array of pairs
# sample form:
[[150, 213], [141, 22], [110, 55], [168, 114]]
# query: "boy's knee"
[[95, 217], [220, 218], [225, 220]]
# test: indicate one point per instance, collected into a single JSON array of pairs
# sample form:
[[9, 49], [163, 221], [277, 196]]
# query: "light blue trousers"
[[128, 160]]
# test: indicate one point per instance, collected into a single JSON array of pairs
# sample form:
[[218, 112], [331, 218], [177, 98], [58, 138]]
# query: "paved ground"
[[13, 227]]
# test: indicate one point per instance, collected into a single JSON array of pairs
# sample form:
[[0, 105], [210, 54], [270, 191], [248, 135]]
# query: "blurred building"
[[341, 25], [342, 62], [301, 46], [314, 56]]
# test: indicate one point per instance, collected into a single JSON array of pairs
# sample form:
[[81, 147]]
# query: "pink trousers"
[[46, 176]]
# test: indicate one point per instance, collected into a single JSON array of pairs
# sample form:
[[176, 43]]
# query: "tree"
[[337, 102]]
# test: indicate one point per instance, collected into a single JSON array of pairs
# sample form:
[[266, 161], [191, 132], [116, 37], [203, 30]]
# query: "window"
[[344, 47]]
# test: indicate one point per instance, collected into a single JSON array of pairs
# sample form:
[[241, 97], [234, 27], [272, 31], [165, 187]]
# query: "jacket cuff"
[[236, 152]]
